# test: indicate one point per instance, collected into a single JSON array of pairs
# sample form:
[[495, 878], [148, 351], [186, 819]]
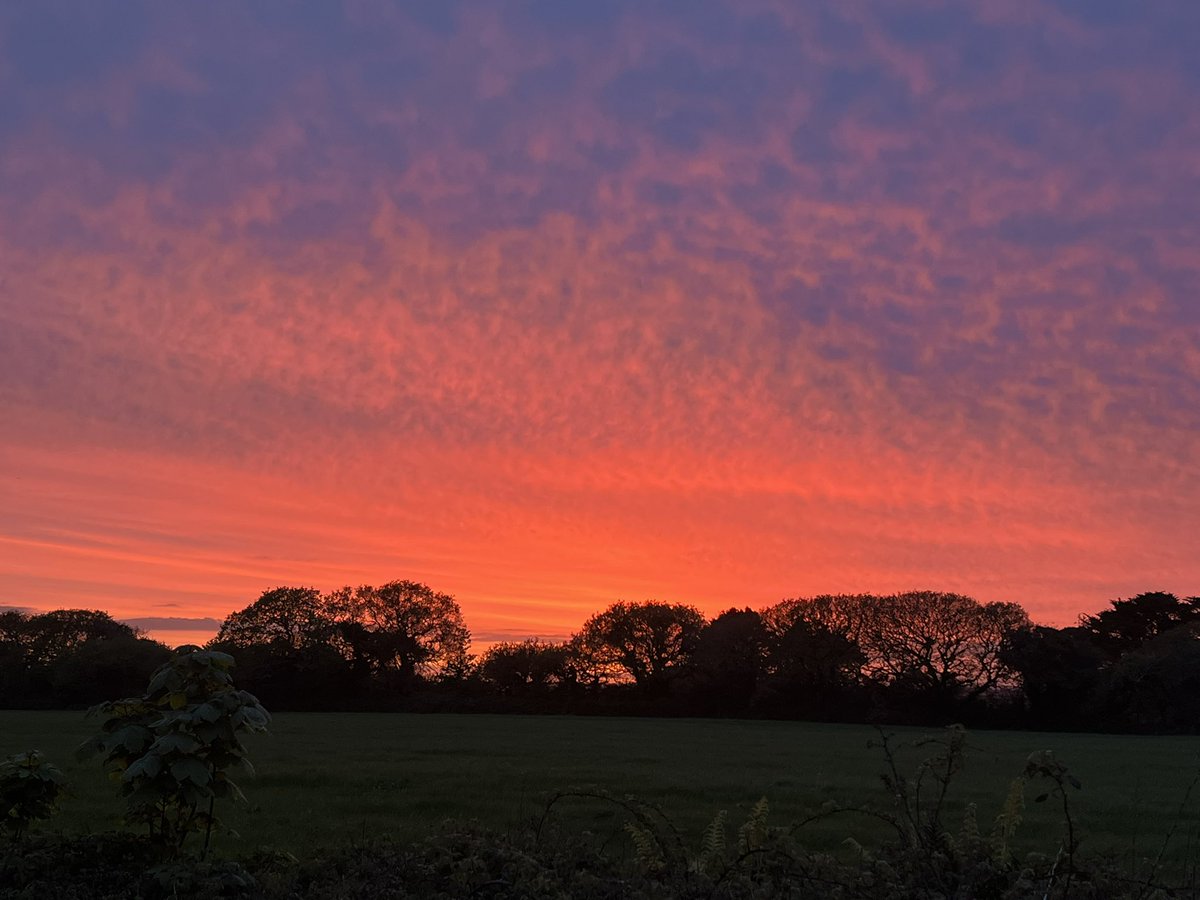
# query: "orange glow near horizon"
[[754, 303]]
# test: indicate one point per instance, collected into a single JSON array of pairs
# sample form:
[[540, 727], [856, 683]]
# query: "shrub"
[[30, 789], [113, 866], [173, 747]]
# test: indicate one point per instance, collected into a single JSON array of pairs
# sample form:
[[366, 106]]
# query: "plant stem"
[[207, 829]]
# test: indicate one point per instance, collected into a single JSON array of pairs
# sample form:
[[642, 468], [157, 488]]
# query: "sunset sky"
[[552, 303]]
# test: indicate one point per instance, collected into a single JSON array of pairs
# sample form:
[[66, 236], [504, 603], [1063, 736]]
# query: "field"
[[326, 779]]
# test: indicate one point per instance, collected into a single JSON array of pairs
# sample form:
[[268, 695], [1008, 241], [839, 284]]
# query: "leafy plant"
[[112, 865], [712, 848], [920, 801], [1008, 820], [30, 789], [1044, 765], [717, 868], [754, 832], [173, 748]]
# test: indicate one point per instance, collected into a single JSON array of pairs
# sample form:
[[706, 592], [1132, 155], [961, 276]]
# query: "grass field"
[[325, 779]]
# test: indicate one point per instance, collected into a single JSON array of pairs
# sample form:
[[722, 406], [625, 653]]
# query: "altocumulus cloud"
[[553, 303]]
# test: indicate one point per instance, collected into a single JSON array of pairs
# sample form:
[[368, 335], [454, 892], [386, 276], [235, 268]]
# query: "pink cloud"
[[560, 316]]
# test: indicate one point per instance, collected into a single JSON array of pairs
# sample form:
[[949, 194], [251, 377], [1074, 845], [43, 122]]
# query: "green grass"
[[325, 779]]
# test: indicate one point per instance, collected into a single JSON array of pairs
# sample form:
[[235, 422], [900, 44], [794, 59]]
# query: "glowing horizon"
[[550, 305]]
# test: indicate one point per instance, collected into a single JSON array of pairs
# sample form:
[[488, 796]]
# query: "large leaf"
[[147, 767], [207, 712], [256, 718], [133, 738], [159, 681], [180, 743], [90, 747], [191, 769]]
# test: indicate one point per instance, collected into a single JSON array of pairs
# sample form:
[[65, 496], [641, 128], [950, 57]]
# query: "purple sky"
[[550, 304]]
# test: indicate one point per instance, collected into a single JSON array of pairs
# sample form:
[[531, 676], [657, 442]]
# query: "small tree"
[[30, 788], [173, 747]]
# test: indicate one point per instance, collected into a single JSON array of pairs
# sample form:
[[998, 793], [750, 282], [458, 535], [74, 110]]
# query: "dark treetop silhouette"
[[920, 656]]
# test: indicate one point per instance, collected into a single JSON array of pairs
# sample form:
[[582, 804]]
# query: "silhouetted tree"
[[12, 626], [529, 666], [1156, 687], [403, 629], [941, 649], [16, 679], [813, 670], [70, 656], [933, 651], [913, 655], [47, 635], [1059, 672], [648, 642], [104, 667], [728, 661], [288, 650], [841, 614], [288, 620], [1130, 623]]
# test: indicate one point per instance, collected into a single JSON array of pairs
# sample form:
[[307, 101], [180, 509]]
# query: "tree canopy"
[[69, 657], [917, 656], [1127, 624], [288, 620], [647, 642], [403, 627]]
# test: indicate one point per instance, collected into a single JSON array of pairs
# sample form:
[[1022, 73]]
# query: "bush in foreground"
[[30, 790], [173, 748]]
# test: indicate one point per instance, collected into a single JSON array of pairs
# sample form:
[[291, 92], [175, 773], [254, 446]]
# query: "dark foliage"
[[112, 867], [651, 644], [1128, 624], [1157, 686], [920, 657], [814, 668], [30, 790], [529, 668], [71, 658], [729, 663], [1060, 671], [172, 750]]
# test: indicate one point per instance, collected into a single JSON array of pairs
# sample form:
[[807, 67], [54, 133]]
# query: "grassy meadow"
[[327, 779]]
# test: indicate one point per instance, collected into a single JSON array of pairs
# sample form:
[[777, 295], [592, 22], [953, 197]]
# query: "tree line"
[[920, 657]]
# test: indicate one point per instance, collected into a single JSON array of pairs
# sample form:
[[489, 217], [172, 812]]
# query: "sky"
[[552, 304]]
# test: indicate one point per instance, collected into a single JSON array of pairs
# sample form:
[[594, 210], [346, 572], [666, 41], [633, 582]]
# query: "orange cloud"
[[549, 312]]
